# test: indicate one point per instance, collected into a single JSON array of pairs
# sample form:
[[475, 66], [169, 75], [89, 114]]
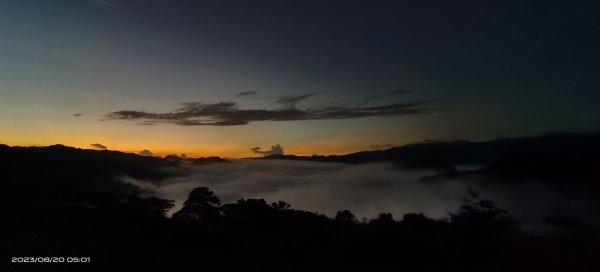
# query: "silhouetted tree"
[[479, 232], [201, 204], [153, 205], [475, 211], [418, 224], [247, 210], [383, 219], [416, 219], [280, 205], [346, 216]]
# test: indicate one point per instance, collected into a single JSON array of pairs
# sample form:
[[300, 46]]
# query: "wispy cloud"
[[99, 146], [229, 114], [380, 146], [291, 100], [378, 96], [247, 94]]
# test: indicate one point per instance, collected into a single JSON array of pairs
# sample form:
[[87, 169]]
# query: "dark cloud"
[[99, 146], [275, 150], [383, 146], [247, 94], [146, 153], [292, 100], [229, 114]]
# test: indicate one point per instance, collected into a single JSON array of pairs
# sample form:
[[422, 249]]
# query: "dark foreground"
[[64, 202]]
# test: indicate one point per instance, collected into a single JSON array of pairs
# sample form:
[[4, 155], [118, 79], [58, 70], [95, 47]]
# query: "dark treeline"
[[253, 235], [61, 201]]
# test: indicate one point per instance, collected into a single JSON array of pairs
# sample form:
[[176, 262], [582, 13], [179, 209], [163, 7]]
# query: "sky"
[[317, 77]]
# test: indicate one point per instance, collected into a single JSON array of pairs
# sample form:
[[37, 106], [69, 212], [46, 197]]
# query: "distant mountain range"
[[464, 152], [550, 156]]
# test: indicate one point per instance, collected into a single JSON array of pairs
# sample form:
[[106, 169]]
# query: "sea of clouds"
[[370, 189]]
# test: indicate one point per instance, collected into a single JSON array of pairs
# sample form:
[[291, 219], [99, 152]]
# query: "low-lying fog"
[[369, 189]]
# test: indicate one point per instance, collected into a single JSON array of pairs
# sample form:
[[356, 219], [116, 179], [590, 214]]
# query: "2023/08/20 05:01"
[[51, 259]]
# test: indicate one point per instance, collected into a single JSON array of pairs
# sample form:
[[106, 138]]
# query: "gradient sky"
[[479, 68]]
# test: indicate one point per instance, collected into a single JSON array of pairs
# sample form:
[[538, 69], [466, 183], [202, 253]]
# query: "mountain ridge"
[[463, 152]]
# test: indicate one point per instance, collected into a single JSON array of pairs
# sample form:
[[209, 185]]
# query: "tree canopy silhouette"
[[346, 216], [201, 203]]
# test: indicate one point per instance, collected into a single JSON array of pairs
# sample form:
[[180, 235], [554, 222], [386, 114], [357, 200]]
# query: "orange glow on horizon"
[[228, 142], [220, 151]]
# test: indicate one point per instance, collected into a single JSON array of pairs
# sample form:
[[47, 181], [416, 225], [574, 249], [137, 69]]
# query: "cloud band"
[[229, 114]]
